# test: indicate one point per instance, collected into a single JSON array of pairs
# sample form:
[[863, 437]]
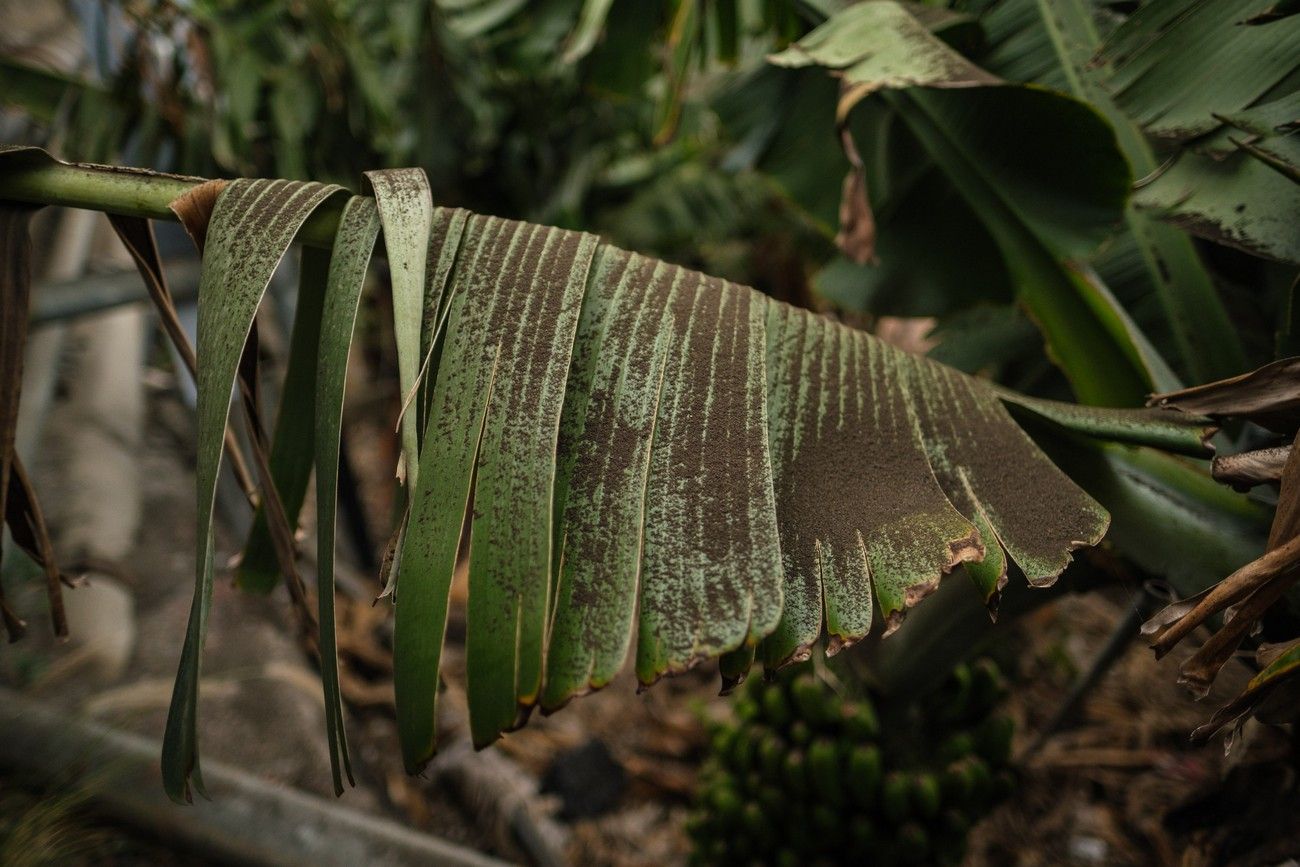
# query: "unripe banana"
[[824, 769], [955, 784], [925, 795], [864, 774], [826, 825], [773, 799], [992, 739], [771, 753], [753, 820], [913, 843], [800, 733], [954, 698], [981, 780], [787, 858], [800, 778], [862, 831], [795, 773], [956, 746], [812, 701], [726, 804], [720, 742], [776, 709], [716, 852], [860, 721], [740, 757], [895, 796], [986, 686]]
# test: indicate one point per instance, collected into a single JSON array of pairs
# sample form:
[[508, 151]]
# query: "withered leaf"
[[857, 234], [1246, 470], [15, 293], [1269, 396], [26, 522]]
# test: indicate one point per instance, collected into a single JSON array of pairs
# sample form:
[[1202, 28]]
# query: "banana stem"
[[129, 192]]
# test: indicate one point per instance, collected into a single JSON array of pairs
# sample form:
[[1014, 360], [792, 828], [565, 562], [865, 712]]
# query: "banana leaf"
[[1053, 42], [1044, 222], [642, 457], [1224, 95]]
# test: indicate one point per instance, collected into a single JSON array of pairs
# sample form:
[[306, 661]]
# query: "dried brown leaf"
[[1249, 593], [1273, 695], [194, 210], [15, 626], [1286, 521], [15, 294], [1246, 470], [1199, 671], [857, 235], [1269, 396], [26, 522], [1267, 653], [1176, 621]]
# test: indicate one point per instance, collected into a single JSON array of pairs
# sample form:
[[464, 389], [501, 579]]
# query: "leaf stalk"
[[131, 193]]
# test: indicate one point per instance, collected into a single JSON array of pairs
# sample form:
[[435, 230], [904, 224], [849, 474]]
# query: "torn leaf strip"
[[606, 429], [537, 278], [357, 233], [251, 227], [711, 566], [15, 293], [406, 212]]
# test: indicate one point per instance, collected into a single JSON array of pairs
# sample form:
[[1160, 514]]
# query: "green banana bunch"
[[804, 775]]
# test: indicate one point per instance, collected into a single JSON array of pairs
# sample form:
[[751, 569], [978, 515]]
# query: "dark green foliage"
[[814, 772]]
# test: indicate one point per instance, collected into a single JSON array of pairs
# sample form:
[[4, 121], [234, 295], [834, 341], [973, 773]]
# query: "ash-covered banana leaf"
[[640, 455]]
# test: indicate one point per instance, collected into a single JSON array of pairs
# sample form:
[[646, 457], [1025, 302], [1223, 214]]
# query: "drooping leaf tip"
[[730, 683]]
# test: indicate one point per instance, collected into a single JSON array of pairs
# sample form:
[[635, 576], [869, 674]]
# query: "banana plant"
[[1232, 170], [1054, 43], [642, 456]]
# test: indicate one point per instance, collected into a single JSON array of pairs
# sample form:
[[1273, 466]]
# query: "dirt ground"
[[1121, 786]]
